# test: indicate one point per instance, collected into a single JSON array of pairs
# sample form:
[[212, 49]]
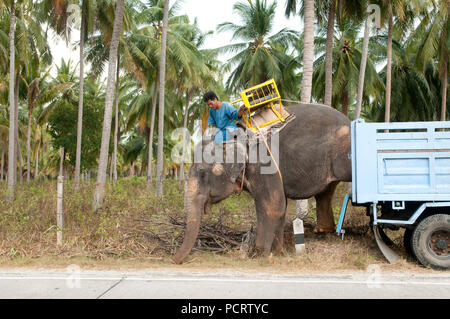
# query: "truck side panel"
[[400, 161]]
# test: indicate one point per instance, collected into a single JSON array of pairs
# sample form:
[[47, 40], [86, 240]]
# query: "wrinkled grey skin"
[[313, 159]]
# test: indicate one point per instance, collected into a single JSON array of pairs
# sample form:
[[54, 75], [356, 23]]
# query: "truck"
[[401, 175]]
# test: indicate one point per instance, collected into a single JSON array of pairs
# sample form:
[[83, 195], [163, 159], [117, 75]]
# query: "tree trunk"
[[387, 115], [308, 51], [185, 143], [100, 186], [62, 154], [308, 59], [162, 82], [152, 131], [11, 142], [444, 89], [362, 71], [76, 183], [17, 150], [36, 166], [131, 169], [29, 146], [116, 122], [344, 102], [3, 162], [329, 55]]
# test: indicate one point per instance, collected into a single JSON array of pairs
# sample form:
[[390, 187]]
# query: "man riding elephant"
[[313, 157], [222, 117]]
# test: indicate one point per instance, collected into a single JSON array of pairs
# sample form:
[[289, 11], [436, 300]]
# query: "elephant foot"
[[320, 230]]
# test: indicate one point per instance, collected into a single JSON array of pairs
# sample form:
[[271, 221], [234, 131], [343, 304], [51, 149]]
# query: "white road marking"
[[234, 280]]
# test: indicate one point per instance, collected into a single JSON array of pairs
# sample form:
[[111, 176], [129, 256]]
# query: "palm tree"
[[144, 47], [162, 83], [109, 99], [329, 54], [308, 51], [433, 34], [413, 99], [12, 116], [308, 61], [362, 69], [260, 55], [83, 29], [32, 97], [347, 56]]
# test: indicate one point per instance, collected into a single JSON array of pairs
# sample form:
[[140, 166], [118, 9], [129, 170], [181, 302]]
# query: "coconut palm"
[[162, 85], [347, 56], [260, 55], [433, 32], [11, 158], [87, 15], [101, 177], [144, 44], [308, 51], [413, 99], [308, 61]]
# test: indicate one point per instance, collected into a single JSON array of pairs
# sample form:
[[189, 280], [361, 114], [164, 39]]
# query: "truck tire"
[[430, 241]]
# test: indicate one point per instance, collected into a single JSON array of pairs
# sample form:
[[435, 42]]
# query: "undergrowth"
[[118, 234]]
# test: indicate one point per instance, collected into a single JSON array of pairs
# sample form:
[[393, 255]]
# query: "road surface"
[[74, 283]]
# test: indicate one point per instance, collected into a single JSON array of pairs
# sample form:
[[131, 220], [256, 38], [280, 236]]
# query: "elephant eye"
[[202, 174]]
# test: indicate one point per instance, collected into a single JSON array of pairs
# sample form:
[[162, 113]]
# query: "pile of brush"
[[212, 236]]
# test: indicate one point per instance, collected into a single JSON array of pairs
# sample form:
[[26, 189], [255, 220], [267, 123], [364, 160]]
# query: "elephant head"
[[210, 182]]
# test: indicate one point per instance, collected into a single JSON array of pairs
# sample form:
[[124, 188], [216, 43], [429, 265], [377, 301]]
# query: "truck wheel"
[[407, 236], [430, 241]]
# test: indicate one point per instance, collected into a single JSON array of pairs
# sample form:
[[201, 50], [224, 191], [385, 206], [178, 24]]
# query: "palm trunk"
[[17, 150], [76, 183], [132, 169], [444, 89], [152, 131], [329, 55], [116, 123], [362, 71], [100, 186], [308, 59], [186, 113], [29, 147], [36, 166], [344, 102], [3, 162], [387, 115], [308, 54], [11, 142], [162, 82]]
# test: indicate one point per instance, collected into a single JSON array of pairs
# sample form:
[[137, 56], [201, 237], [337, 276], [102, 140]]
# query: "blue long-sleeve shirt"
[[224, 119]]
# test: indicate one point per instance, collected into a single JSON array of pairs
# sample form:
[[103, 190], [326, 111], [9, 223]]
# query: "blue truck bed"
[[400, 161]]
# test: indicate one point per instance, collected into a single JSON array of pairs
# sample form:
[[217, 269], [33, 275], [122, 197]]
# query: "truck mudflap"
[[378, 232], [388, 253]]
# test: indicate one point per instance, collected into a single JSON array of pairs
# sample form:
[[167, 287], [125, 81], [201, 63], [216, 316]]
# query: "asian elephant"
[[313, 156]]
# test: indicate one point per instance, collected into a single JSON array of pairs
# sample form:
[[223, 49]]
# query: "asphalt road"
[[76, 284]]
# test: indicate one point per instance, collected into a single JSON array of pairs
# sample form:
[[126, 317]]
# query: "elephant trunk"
[[194, 207]]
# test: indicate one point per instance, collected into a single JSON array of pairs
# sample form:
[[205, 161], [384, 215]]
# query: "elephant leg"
[[270, 225], [278, 241], [325, 218]]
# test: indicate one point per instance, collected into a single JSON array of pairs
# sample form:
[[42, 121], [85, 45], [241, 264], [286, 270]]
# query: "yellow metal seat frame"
[[264, 95]]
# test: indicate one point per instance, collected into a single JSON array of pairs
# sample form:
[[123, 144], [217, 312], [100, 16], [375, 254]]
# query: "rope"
[[270, 152], [243, 178]]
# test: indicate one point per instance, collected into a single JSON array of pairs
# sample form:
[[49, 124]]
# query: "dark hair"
[[209, 96]]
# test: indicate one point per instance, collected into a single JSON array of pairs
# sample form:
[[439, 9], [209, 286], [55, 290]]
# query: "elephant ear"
[[235, 168]]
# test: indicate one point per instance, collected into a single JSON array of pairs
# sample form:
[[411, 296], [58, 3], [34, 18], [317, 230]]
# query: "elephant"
[[313, 157]]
